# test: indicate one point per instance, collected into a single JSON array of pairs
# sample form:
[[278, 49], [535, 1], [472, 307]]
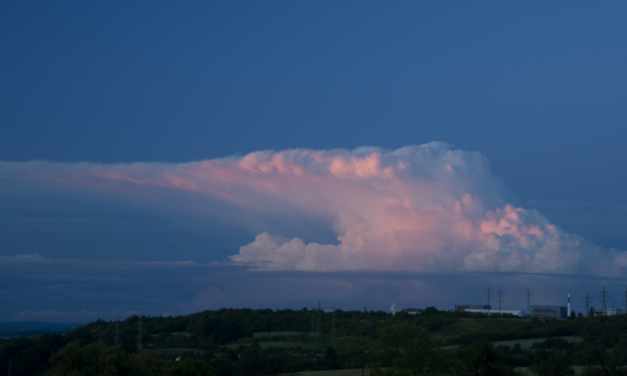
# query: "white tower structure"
[[568, 305], [393, 309]]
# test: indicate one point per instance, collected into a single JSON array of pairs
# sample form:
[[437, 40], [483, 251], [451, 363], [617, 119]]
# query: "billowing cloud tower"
[[424, 208]]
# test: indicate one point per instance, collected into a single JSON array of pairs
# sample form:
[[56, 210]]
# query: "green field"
[[271, 334], [176, 351], [184, 334], [339, 372], [357, 372], [525, 344], [525, 370], [263, 345], [472, 326]]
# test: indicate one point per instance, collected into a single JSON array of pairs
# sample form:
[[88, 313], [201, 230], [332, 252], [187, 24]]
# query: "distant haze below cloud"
[[427, 208], [41, 289]]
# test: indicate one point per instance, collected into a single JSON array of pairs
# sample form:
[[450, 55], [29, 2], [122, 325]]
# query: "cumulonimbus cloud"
[[419, 208]]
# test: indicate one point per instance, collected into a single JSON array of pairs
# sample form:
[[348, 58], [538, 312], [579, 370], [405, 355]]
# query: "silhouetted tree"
[[556, 365], [404, 349]]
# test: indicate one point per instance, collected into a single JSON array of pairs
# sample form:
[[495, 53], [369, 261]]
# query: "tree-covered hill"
[[312, 339]]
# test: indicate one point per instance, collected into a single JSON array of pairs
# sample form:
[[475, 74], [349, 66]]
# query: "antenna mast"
[[604, 297]]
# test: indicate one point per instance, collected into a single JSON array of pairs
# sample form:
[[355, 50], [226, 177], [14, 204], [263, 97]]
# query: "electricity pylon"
[[587, 305], [604, 297], [333, 328], [313, 325], [488, 295], [501, 299], [318, 327]]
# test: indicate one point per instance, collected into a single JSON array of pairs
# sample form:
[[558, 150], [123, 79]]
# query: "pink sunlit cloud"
[[424, 208]]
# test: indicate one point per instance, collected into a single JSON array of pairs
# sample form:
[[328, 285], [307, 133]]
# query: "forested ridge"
[[249, 342]]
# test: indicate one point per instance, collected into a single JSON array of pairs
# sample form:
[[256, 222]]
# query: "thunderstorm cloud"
[[427, 208]]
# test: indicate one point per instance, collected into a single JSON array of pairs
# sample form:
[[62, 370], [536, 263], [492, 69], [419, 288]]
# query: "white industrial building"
[[612, 312], [515, 312]]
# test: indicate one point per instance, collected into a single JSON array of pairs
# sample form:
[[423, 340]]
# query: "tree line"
[[206, 333]]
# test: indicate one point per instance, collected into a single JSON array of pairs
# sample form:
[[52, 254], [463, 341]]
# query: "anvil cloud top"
[[420, 208]]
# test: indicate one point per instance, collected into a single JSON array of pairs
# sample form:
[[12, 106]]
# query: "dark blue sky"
[[540, 89]]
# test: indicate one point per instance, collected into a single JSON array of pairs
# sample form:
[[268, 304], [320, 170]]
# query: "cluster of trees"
[[99, 359], [403, 349]]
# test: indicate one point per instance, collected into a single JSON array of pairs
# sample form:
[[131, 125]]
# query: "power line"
[[488, 295], [587, 305], [604, 299], [501, 299]]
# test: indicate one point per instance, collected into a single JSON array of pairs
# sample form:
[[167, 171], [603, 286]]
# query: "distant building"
[[610, 312], [515, 312], [413, 311], [464, 307], [548, 312]]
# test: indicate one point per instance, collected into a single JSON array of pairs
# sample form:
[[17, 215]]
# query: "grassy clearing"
[[473, 326], [526, 371], [527, 343], [357, 372], [524, 343], [263, 345], [176, 351], [339, 372], [272, 334], [184, 334]]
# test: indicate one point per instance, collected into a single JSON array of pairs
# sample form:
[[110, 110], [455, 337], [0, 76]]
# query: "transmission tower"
[[139, 336], [318, 327], [604, 298], [488, 295], [528, 300], [501, 298], [313, 325], [117, 331], [333, 328], [587, 305]]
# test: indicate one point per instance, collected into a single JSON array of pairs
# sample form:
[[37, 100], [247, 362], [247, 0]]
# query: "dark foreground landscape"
[[266, 342]]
